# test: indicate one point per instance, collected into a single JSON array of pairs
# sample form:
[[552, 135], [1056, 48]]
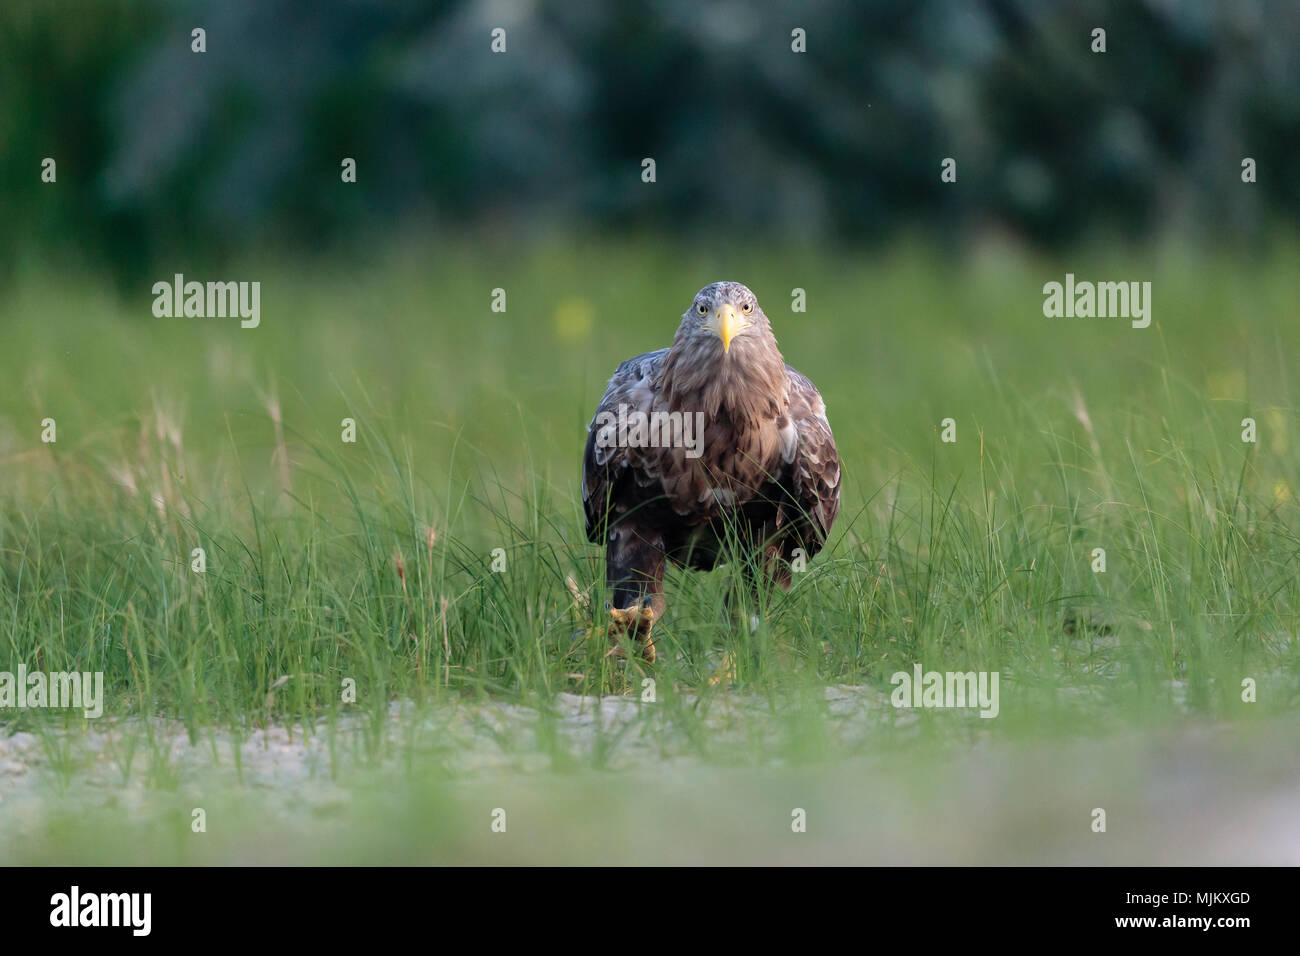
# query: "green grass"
[[1072, 434]]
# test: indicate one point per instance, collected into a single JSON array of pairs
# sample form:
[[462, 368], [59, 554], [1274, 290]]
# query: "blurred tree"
[[164, 150]]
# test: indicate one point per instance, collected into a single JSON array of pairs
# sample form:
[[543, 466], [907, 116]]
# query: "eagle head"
[[725, 316]]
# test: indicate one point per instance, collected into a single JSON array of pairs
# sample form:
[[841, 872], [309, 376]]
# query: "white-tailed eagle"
[[712, 439]]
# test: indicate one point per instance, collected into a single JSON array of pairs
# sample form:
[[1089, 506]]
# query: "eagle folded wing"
[[815, 471], [605, 461]]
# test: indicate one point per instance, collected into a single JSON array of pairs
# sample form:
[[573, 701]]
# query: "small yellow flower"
[[573, 319], [1281, 492], [1229, 384]]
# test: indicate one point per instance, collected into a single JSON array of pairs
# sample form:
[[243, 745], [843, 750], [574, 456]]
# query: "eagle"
[[709, 445]]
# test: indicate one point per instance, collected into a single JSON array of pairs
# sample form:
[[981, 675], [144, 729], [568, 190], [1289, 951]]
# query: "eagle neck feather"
[[745, 387]]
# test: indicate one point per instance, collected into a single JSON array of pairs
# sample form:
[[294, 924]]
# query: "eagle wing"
[[604, 462], [815, 470]]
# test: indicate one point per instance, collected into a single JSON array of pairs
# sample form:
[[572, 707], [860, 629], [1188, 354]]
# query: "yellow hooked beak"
[[726, 324]]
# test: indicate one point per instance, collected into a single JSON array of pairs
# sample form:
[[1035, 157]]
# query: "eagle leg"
[[637, 621], [634, 566]]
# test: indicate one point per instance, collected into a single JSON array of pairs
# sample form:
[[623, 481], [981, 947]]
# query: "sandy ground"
[[623, 786]]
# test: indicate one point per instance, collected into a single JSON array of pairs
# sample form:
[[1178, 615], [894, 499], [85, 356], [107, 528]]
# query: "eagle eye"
[[702, 308], [747, 308]]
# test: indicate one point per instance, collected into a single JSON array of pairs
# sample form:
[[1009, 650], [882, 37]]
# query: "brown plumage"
[[715, 430]]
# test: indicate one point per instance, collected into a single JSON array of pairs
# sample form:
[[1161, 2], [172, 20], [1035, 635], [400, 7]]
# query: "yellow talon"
[[725, 671], [637, 621]]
